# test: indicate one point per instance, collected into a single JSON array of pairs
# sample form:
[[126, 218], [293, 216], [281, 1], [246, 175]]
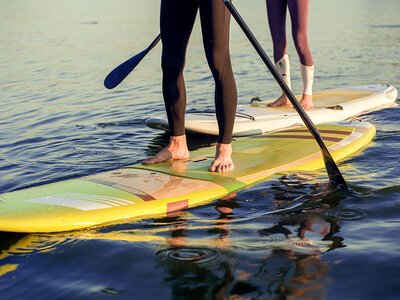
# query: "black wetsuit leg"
[[176, 23], [177, 19], [215, 20]]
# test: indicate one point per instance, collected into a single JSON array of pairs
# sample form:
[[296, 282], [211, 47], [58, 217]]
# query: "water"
[[58, 122]]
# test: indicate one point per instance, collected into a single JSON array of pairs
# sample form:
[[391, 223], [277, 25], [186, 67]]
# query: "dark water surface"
[[57, 122]]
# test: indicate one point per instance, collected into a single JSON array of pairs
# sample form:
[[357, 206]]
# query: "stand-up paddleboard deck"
[[255, 118], [139, 191]]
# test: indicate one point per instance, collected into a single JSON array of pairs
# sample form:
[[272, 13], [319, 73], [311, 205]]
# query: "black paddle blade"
[[335, 177], [122, 71], [116, 76]]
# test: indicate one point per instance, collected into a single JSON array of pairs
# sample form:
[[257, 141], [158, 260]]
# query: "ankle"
[[224, 148], [306, 97], [177, 141]]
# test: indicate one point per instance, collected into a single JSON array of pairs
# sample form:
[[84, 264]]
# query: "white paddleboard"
[[255, 118]]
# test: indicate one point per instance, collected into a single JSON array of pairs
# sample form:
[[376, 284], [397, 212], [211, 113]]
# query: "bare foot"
[[283, 100], [177, 149], [307, 102], [223, 161]]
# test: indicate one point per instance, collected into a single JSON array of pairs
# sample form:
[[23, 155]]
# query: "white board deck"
[[329, 106]]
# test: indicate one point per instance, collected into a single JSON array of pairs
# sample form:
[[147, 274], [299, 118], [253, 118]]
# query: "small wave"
[[89, 23], [111, 291], [121, 124], [388, 190], [385, 26]]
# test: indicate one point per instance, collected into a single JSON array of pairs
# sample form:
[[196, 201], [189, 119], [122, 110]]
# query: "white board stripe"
[[82, 202], [93, 199], [99, 198], [352, 137]]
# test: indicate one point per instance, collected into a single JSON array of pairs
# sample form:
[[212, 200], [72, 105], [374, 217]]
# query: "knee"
[[301, 44], [218, 61], [171, 65], [217, 70]]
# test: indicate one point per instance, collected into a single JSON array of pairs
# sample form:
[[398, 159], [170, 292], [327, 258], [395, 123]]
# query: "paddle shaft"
[[119, 73], [335, 177]]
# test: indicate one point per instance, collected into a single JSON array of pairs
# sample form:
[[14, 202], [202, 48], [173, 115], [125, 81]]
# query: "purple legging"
[[298, 10], [176, 22]]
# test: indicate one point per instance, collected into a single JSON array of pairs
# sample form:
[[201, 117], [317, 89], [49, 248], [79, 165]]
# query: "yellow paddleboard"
[[140, 191]]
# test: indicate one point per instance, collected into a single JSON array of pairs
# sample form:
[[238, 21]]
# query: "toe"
[[212, 167]]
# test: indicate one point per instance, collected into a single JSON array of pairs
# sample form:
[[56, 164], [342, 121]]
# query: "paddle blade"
[[336, 178], [122, 71]]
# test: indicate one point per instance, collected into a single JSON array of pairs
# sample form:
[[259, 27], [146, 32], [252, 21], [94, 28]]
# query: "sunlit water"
[[57, 122]]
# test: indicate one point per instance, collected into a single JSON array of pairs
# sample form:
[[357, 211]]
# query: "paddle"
[[116, 76], [335, 177]]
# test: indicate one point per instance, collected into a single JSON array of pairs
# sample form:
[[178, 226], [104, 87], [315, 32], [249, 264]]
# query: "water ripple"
[[348, 214], [189, 255]]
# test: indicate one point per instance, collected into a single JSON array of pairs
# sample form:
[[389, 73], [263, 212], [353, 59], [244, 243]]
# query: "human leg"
[[299, 16], [276, 11], [176, 22], [215, 20]]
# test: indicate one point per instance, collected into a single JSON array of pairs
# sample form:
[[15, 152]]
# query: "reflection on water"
[[219, 256], [205, 256], [4, 269], [288, 263]]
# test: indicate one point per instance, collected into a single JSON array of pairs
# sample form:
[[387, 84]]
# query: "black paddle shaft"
[[335, 177]]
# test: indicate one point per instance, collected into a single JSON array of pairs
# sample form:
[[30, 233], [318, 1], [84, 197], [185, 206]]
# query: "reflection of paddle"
[[335, 177], [119, 73]]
